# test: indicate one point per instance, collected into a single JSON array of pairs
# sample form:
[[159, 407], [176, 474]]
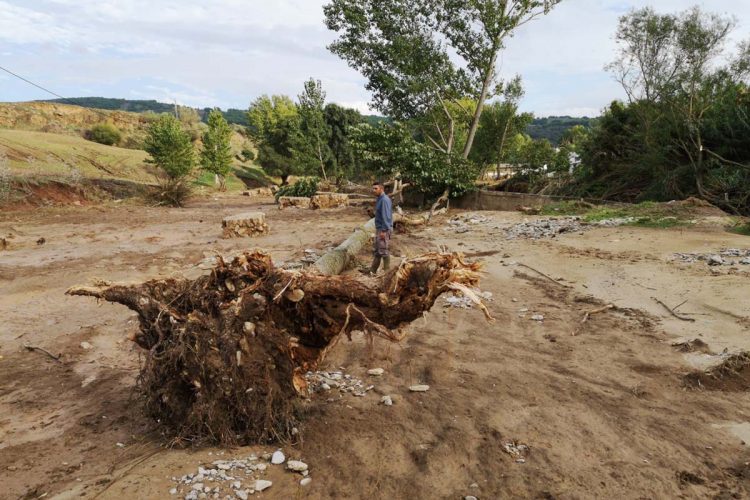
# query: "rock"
[[237, 485], [325, 387], [198, 487], [745, 261], [277, 457], [715, 260], [173, 491], [473, 486], [192, 495], [296, 465], [261, 467], [86, 345], [376, 372], [470, 497], [262, 484], [386, 400], [241, 494], [537, 317], [419, 388], [120, 445], [305, 481]]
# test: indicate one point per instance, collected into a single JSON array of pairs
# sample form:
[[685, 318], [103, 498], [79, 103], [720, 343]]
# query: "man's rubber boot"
[[386, 263], [375, 265]]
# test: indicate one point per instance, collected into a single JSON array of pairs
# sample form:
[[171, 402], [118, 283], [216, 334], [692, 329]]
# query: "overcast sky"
[[227, 52]]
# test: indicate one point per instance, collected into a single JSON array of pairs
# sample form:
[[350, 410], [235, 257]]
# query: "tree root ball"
[[226, 353]]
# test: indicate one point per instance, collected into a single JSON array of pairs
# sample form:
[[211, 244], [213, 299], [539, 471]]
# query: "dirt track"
[[604, 412]]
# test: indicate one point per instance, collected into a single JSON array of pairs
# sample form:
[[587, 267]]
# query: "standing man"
[[383, 228]]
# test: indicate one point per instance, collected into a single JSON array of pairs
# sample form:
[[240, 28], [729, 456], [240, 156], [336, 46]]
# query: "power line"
[[50, 92]]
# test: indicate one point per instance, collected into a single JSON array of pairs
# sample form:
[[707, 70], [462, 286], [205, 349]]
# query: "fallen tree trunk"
[[227, 352], [340, 259]]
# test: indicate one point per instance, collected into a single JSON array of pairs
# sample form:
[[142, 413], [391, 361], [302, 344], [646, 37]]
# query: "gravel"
[[725, 257]]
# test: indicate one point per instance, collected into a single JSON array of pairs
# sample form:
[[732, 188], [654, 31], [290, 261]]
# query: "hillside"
[[552, 128]]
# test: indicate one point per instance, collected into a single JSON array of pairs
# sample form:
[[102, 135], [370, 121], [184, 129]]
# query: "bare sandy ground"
[[601, 405]]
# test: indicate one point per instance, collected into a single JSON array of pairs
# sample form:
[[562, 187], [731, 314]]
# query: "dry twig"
[[671, 311], [43, 351], [546, 276]]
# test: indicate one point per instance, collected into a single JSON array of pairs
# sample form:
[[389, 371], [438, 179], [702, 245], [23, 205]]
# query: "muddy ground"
[[601, 405]]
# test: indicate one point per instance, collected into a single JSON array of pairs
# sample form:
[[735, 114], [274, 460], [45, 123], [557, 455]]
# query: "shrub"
[[105, 133], [303, 187]]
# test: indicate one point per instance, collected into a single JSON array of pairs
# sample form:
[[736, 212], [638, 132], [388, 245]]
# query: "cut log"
[[258, 192], [329, 200], [226, 353], [293, 201], [245, 224]]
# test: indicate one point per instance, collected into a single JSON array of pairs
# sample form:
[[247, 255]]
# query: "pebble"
[[173, 491], [296, 465], [470, 497], [375, 372], [262, 484], [261, 467], [198, 486], [387, 400], [241, 494], [277, 457], [419, 388], [86, 345], [537, 317], [237, 485], [192, 495], [305, 481]]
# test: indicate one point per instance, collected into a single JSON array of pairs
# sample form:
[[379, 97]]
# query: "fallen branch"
[[596, 311], [43, 351], [671, 311], [542, 274]]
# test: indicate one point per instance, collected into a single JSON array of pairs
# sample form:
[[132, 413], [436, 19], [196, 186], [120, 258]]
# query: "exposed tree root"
[[227, 352]]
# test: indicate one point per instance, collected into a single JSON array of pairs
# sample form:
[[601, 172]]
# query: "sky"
[[226, 53]]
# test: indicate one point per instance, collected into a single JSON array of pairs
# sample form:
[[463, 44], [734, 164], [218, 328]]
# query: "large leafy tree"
[[340, 120], [216, 155], [315, 133], [275, 128], [404, 47]]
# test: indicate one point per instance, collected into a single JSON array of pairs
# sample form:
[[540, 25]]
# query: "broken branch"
[[671, 311]]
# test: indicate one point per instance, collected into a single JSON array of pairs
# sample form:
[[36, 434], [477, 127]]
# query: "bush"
[[105, 134], [303, 187]]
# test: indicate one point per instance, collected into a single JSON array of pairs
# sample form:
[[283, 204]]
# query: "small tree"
[[105, 133], [312, 148], [216, 155], [172, 152]]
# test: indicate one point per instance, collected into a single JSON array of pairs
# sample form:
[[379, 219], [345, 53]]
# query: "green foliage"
[[216, 154], [684, 129], [646, 214], [170, 148], [392, 150], [340, 120], [743, 229], [105, 133], [275, 127], [303, 187], [312, 149]]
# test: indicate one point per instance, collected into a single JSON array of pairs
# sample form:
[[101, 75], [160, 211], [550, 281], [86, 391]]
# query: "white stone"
[[537, 317], [296, 465], [86, 345], [261, 467], [198, 486], [419, 388], [278, 457], [241, 494], [236, 485], [262, 484], [192, 495], [325, 386], [375, 372], [173, 491], [386, 400], [305, 481]]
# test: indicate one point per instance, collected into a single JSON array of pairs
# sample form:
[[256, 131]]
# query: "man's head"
[[378, 188]]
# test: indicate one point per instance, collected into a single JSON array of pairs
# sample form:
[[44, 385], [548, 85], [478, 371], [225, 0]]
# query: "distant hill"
[[232, 115], [552, 128]]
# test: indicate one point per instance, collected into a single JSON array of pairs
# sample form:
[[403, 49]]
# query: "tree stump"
[[245, 224], [293, 201], [329, 200]]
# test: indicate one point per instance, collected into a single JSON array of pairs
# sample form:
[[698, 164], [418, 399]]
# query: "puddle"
[[740, 430]]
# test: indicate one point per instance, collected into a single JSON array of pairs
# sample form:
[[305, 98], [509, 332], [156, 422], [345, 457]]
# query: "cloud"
[[228, 52]]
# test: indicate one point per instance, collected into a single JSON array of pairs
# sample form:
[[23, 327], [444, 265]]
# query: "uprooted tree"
[[227, 352]]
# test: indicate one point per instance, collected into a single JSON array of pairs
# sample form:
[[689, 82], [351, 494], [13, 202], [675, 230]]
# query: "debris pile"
[[246, 224], [462, 223], [552, 227], [227, 353], [725, 257], [236, 478], [464, 302], [338, 381], [517, 450]]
